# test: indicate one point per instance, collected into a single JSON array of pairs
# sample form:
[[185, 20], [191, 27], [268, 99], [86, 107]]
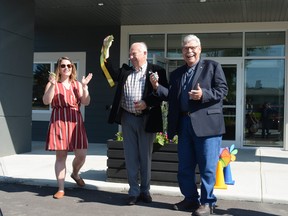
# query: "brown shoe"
[[59, 195], [204, 210], [78, 181]]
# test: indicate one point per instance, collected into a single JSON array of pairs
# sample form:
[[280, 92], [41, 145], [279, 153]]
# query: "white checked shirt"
[[133, 89]]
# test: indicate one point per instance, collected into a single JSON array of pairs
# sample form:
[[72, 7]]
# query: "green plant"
[[119, 136], [161, 138]]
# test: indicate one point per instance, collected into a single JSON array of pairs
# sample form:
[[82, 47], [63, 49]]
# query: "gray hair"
[[189, 38], [142, 44]]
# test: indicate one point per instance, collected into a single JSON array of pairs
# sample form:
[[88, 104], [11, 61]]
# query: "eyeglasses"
[[193, 48], [68, 65]]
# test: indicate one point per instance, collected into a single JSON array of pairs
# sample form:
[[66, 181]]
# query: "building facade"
[[16, 79], [253, 56]]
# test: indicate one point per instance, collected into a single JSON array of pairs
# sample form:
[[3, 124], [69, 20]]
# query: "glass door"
[[264, 99], [163, 62], [232, 103]]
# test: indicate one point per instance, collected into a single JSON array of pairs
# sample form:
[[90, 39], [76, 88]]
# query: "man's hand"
[[140, 105], [107, 42], [195, 94], [154, 79]]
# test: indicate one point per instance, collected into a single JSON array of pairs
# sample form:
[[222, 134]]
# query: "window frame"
[[51, 57]]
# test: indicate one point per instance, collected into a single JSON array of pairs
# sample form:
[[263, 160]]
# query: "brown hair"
[[73, 75]]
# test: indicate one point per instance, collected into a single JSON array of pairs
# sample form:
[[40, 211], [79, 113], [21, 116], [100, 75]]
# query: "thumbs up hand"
[[196, 94]]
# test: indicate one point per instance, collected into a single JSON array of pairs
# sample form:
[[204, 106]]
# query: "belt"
[[185, 113], [136, 114]]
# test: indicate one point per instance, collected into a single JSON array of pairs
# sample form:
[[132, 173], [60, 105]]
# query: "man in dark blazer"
[[195, 114], [138, 110]]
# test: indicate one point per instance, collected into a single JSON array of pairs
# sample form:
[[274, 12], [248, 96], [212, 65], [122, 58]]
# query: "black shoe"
[[186, 205], [146, 198], [132, 200], [204, 210]]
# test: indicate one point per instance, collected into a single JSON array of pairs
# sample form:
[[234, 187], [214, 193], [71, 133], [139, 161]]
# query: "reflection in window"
[[213, 44], [174, 64], [154, 42], [264, 74], [40, 75], [264, 81], [265, 44], [174, 45]]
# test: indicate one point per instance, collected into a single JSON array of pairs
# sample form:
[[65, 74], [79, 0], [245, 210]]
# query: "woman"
[[66, 130]]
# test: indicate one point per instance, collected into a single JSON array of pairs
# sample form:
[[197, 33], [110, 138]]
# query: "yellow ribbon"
[[104, 56]]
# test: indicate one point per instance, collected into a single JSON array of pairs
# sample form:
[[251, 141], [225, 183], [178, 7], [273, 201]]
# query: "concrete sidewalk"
[[260, 174]]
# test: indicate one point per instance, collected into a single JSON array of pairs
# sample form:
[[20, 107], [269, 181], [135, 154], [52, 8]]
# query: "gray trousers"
[[138, 147]]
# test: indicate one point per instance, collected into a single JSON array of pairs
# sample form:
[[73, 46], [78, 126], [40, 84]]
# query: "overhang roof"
[[150, 12]]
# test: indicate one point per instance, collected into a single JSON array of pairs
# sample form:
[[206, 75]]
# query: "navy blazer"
[[206, 114], [154, 121]]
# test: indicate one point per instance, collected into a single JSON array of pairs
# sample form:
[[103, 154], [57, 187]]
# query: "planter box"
[[164, 164]]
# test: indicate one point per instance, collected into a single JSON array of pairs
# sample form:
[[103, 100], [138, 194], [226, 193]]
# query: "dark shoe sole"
[[145, 198], [132, 200], [187, 207], [208, 213]]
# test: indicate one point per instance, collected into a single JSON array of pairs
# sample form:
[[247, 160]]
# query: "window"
[[213, 44], [154, 42], [264, 84], [265, 44], [43, 63], [40, 76]]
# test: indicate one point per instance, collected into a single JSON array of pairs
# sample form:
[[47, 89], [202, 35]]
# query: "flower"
[[162, 139]]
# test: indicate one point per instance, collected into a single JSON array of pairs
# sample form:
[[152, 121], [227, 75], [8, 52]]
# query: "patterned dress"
[[66, 128]]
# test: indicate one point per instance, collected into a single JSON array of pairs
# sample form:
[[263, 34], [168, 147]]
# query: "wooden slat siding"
[[165, 148], [156, 166], [164, 164], [165, 156], [157, 177], [116, 163], [115, 153], [112, 144]]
